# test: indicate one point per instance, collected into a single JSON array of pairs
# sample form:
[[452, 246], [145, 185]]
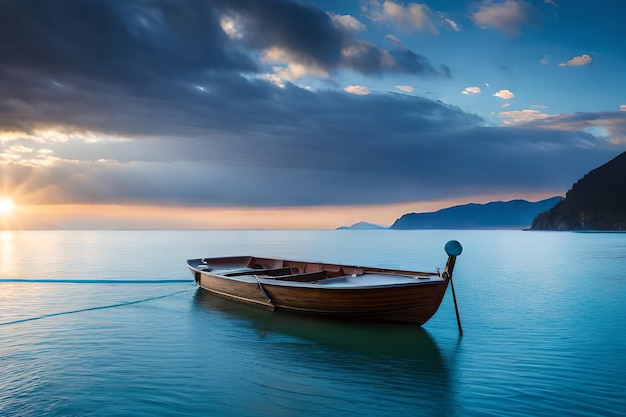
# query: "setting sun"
[[6, 206]]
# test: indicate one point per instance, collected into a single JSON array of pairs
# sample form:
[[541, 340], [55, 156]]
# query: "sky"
[[300, 114]]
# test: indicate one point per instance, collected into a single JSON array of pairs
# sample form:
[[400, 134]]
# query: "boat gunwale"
[[433, 278], [326, 287]]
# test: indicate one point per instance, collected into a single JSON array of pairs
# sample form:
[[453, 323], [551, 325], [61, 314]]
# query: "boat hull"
[[244, 292], [406, 304], [370, 294]]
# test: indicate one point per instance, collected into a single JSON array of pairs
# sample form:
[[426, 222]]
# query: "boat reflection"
[[308, 360], [394, 341]]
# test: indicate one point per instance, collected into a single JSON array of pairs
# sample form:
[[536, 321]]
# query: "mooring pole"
[[453, 249]]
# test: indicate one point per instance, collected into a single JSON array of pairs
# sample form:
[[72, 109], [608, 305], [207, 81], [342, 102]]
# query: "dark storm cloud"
[[311, 37], [115, 39], [265, 174], [296, 147], [302, 29], [203, 127], [142, 42], [370, 59], [53, 53]]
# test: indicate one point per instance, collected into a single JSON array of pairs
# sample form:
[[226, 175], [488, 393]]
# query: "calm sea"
[[109, 323]]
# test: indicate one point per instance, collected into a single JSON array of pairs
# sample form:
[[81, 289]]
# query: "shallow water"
[[109, 323]]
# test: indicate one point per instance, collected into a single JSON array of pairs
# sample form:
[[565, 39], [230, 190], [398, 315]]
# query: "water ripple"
[[63, 313], [94, 281]]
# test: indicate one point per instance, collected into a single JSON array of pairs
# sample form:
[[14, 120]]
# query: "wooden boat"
[[351, 292]]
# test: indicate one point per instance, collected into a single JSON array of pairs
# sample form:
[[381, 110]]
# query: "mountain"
[[362, 226], [596, 202], [515, 214]]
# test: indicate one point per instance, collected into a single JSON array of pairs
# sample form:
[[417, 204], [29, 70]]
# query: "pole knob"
[[453, 248]]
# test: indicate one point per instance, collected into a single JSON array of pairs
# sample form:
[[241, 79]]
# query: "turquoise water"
[[109, 323]]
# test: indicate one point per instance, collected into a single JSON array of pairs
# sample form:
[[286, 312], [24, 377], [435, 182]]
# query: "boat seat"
[[313, 268], [304, 277], [273, 272]]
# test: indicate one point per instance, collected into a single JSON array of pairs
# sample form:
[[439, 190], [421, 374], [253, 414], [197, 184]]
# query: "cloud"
[[357, 90], [347, 22], [509, 16], [325, 44], [393, 39], [518, 117], [168, 103], [551, 2], [369, 59], [409, 18], [288, 67], [147, 36], [472, 90], [505, 105], [405, 88], [504, 94], [138, 46], [251, 142], [449, 23], [609, 126], [576, 61], [622, 107], [545, 60]]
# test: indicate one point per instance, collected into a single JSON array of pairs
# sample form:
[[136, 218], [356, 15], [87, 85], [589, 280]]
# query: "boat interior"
[[298, 271]]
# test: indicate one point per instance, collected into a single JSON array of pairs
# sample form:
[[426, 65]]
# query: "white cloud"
[[26, 156], [406, 88], [584, 59], [509, 16], [19, 149], [347, 22], [504, 94], [545, 59], [551, 2], [622, 107], [58, 134], [357, 90], [232, 26], [610, 125], [472, 90], [515, 117], [449, 23], [276, 80], [505, 105], [287, 67], [393, 39], [409, 18]]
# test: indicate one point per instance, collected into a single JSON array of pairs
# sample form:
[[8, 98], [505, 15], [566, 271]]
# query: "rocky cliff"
[[596, 202]]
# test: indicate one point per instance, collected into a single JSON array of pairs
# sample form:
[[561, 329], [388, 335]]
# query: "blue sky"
[[324, 104]]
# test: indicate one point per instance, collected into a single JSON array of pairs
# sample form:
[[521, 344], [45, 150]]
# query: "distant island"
[[362, 226], [595, 202], [514, 214]]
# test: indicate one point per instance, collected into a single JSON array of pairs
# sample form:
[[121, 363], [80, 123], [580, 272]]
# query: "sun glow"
[[6, 207]]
